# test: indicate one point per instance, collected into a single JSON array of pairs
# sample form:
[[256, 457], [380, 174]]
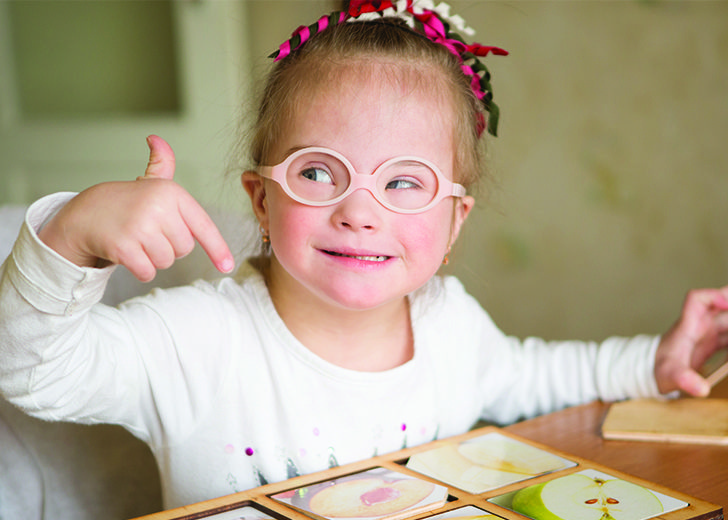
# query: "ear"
[[254, 184], [461, 210]]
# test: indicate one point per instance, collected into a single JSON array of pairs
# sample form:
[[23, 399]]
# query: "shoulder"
[[444, 309], [204, 312], [447, 297]]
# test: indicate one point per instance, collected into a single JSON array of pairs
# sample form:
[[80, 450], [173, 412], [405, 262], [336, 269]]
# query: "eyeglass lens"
[[320, 177]]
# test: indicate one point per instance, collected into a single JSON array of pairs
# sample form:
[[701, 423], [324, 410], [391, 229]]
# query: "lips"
[[363, 258]]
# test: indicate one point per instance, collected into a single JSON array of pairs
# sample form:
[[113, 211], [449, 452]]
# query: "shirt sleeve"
[[510, 379], [546, 376], [65, 356]]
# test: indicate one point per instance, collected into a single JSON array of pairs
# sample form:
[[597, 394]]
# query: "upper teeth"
[[364, 258], [371, 258]]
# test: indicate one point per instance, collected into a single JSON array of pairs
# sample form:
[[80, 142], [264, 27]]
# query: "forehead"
[[387, 108]]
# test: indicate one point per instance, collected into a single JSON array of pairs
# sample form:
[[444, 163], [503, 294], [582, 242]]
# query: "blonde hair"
[[295, 78]]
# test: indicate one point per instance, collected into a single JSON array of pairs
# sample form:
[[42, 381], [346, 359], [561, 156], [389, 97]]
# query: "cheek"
[[429, 236], [291, 225]]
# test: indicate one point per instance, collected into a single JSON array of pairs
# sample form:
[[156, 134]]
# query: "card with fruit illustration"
[[377, 494], [240, 513], [485, 463], [588, 495]]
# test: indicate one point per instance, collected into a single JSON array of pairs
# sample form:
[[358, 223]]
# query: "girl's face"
[[357, 254]]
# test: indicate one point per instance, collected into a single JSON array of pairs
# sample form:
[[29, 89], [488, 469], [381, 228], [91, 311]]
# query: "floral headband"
[[431, 21]]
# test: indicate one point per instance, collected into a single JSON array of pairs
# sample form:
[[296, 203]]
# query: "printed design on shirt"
[[437, 432], [333, 463], [257, 474], [291, 469], [290, 462], [233, 482], [377, 434]]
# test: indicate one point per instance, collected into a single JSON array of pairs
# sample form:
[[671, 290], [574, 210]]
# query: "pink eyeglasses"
[[321, 177]]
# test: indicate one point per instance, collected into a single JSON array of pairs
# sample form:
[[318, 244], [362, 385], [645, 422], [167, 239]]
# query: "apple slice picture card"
[[588, 495], [377, 494], [485, 463]]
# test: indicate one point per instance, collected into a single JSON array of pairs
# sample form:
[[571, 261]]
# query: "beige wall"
[[612, 161], [612, 195]]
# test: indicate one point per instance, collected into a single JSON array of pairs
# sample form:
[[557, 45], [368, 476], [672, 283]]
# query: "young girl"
[[341, 342]]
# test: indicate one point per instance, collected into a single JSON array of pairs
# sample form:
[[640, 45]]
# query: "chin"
[[360, 302], [361, 297]]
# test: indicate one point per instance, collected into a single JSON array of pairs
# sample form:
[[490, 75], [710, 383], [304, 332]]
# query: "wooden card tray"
[[262, 500]]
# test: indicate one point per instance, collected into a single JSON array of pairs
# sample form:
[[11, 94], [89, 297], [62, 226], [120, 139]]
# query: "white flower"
[[418, 7]]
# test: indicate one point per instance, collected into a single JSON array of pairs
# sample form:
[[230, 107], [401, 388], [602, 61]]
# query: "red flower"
[[358, 7]]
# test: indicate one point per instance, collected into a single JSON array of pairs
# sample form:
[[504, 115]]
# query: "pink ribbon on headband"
[[432, 27], [303, 33], [436, 31]]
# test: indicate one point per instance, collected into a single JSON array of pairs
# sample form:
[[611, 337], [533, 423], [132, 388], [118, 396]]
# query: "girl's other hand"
[[701, 330], [143, 225]]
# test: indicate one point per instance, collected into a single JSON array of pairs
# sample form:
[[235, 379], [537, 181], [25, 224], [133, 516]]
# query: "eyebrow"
[[288, 152]]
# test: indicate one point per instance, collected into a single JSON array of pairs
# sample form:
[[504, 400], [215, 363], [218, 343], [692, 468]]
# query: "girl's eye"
[[317, 175], [403, 184]]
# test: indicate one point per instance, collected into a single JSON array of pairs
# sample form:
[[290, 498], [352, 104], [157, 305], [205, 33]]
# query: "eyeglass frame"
[[278, 173]]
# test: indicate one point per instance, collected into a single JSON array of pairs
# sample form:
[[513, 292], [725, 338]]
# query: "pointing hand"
[[143, 225]]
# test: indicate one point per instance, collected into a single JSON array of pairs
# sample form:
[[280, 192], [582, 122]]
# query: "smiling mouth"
[[364, 258]]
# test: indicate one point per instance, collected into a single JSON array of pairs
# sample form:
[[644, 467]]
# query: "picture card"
[[376, 494], [487, 462], [588, 495], [240, 513], [465, 513]]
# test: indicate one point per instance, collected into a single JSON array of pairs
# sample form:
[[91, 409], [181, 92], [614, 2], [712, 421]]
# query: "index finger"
[[207, 234]]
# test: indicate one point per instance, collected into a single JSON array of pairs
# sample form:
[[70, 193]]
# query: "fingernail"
[[227, 265]]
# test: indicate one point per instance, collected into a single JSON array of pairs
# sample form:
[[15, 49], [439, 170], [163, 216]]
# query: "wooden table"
[[697, 470]]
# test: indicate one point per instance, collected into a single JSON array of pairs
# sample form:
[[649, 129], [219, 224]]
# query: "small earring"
[[265, 237], [446, 260]]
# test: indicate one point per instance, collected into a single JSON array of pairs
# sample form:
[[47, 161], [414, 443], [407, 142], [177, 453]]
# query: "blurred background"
[[611, 192]]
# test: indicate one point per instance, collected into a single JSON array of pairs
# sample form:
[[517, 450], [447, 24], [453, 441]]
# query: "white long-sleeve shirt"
[[227, 398]]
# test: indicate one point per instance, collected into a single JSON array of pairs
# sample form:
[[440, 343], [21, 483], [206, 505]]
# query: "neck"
[[369, 340]]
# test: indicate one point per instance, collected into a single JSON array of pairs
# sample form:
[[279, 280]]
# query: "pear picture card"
[[484, 463], [376, 494], [588, 495]]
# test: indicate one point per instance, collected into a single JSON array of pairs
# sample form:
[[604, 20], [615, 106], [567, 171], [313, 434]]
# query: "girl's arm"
[[64, 356]]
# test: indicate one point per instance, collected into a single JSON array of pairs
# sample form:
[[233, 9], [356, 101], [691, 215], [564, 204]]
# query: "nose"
[[358, 211]]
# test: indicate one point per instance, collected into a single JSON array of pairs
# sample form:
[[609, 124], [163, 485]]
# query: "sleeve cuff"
[[44, 278], [635, 356]]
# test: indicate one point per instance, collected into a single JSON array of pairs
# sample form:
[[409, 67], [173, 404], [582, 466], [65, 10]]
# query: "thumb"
[[161, 159], [693, 383]]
